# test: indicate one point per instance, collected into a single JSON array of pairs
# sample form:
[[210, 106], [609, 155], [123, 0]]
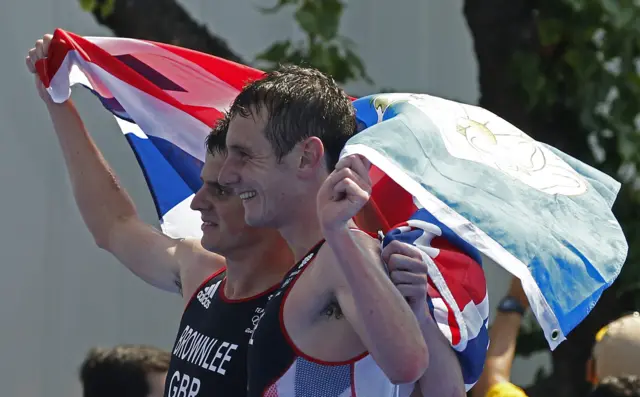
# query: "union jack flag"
[[457, 292]]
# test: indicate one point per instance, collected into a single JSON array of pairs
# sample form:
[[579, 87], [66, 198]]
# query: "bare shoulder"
[[193, 245], [192, 251], [196, 264]]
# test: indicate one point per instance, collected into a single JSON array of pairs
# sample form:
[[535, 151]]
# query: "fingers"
[[402, 249], [348, 159], [366, 163], [349, 189], [404, 263], [343, 162], [412, 291], [31, 65], [345, 181], [361, 167], [358, 165], [38, 52], [350, 174], [404, 277], [46, 41]]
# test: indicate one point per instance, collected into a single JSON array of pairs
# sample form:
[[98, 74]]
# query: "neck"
[[303, 232], [254, 270]]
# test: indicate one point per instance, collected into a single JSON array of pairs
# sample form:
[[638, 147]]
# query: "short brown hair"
[[216, 140], [121, 370], [299, 103]]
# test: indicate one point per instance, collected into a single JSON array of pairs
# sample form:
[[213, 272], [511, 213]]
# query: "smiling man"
[[337, 324]]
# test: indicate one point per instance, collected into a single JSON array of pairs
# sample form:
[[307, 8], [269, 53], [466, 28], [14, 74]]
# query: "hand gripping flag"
[[165, 100]]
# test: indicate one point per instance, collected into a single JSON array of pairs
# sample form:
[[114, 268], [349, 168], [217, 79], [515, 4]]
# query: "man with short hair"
[[124, 371], [337, 325]]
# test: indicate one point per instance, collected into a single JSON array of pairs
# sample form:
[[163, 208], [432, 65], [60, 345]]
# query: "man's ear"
[[311, 155]]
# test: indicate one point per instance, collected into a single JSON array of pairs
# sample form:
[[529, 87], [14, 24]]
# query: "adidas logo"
[[205, 295]]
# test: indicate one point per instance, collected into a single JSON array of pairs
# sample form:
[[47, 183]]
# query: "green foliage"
[[104, 7], [589, 57], [323, 47], [88, 5], [107, 7], [588, 64]]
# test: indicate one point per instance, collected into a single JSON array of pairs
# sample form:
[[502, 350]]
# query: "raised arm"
[[369, 300], [376, 309], [108, 211], [503, 335]]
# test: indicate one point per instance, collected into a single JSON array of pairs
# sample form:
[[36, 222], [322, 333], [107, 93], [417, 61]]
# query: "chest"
[[299, 303], [214, 333]]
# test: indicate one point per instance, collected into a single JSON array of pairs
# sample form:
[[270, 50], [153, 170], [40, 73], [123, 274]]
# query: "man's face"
[[156, 383], [223, 225], [264, 184]]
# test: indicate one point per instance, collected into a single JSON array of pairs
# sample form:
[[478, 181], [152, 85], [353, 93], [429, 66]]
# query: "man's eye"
[[242, 153]]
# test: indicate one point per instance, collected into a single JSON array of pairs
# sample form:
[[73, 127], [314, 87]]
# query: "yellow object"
[[505, 389]]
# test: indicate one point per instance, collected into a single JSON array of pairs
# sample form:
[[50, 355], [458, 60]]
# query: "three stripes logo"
[[205, 295]]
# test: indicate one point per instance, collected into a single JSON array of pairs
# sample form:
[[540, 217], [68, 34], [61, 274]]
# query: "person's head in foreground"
[[617, 350], [618, 386], [124, 371], [285, 135]]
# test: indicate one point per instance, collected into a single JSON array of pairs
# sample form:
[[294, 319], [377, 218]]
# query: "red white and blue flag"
[[165, 100]]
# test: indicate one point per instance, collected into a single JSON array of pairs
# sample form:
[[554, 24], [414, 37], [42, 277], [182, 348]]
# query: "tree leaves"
[[596, 49], [277, 7], [276, 52], [104, 7], [323, 48], [88, 5]]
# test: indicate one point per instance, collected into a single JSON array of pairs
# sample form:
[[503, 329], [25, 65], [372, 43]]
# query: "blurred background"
[[566, 72]]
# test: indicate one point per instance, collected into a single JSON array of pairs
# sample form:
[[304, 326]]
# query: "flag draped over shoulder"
[[435, 185]]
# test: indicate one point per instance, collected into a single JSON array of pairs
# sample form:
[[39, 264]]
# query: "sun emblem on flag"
[[500, 145]]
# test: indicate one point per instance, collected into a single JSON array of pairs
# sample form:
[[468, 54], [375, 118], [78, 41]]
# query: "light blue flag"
[[542, 215]]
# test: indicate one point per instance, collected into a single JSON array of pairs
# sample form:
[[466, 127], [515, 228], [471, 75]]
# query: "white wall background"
[[60, 294]]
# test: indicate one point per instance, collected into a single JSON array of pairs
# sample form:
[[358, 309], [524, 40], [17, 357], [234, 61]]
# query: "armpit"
[[332, 310]]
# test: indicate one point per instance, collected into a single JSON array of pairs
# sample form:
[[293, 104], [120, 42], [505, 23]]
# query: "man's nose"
[[228, 175], [198, 202]]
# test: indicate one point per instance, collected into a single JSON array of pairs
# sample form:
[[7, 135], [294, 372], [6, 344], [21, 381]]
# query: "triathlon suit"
[[209, 357], [278, 369]]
